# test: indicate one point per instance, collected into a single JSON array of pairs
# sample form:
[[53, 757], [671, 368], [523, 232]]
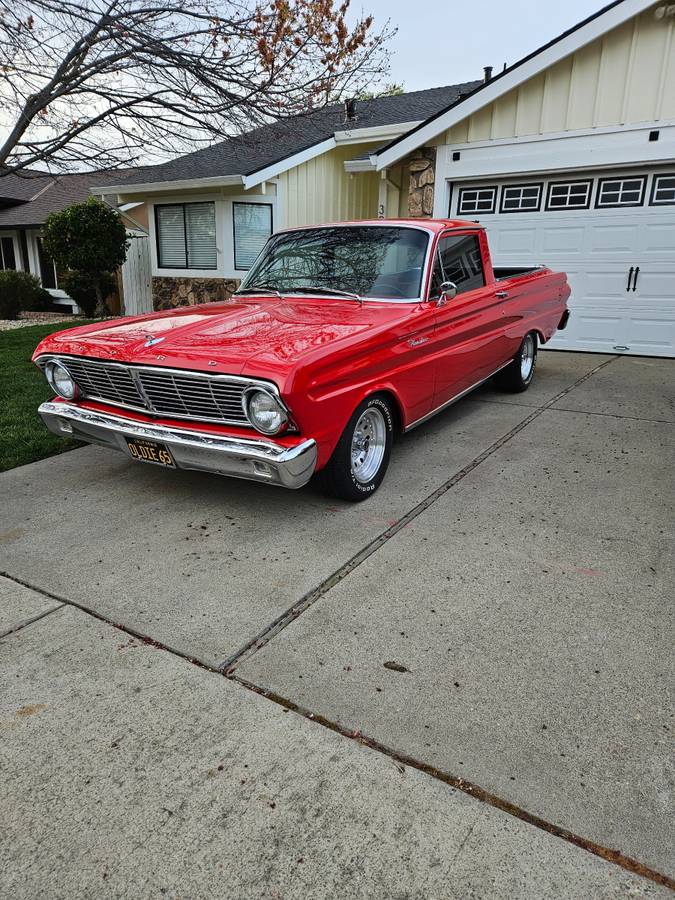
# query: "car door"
[[469, 335]]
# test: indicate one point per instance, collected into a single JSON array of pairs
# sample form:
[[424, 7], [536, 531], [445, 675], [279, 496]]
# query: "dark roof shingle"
[[44, 194], [269, 144]]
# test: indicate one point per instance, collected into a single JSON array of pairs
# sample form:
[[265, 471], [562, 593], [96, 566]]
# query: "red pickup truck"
[[340, 337]]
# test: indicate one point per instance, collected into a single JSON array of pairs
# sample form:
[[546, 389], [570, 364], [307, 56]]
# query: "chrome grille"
[[164, 392], [105, 381], [175, 394]]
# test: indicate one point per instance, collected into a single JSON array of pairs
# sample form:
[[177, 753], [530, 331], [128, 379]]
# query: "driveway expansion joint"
[[229, 664], [26, 622], [610, 855]]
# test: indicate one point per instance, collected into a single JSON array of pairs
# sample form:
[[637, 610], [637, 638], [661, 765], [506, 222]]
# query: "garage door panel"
[[614, 239], [652, 334], [517, 241], [658, 238], [568, 239], [656, 285], [606, 285]]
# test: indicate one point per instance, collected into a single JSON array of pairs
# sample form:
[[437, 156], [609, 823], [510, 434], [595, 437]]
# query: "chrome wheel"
[[369, 442], [527, 358]]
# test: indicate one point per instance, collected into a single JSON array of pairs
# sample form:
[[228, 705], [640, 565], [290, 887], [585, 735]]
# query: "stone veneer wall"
[[422, 166], [169, 292]]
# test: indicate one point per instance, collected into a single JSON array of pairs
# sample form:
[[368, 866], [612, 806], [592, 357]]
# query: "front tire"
[[360, 460], [518, 375]]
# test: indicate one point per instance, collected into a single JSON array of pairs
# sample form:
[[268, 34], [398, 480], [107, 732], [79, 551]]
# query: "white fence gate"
[[136, 279]]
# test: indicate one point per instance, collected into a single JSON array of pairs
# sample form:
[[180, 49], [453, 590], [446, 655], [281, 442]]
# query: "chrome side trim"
[[249, 458], [457, 397]]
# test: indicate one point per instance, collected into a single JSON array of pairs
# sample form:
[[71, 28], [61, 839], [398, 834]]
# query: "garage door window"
[[477, 200], [613, 192], [569, 195], [663, 190], [521, 198]]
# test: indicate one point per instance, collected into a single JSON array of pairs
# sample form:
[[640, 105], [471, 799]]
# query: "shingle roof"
[[273, 143], [36, 196], [27, 201]]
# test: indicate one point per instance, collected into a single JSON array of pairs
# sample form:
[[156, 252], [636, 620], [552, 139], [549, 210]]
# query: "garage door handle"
[[637, 272], [630, 275]]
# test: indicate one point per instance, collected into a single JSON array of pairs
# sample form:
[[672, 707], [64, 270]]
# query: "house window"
[[569, 195], [252, 227], [477, 200], [458, 259], [7, 257], [620, 191], [186, 235], [521, 198], [663, 190]]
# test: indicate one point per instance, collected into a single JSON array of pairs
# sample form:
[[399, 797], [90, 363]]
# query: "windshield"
[[377, 261]]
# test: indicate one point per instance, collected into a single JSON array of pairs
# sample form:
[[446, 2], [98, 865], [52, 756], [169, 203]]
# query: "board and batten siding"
[[320, 190], [631, 69]]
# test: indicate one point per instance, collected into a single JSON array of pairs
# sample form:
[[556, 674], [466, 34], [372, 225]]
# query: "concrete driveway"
[[460, 688]]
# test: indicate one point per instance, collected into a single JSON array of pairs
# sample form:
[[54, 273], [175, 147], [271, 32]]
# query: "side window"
[[459, 260]]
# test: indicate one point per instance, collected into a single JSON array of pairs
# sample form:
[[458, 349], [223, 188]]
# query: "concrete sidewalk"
[[495, 621]]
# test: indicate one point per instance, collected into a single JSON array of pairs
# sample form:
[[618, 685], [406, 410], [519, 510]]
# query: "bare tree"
[[93, 84]]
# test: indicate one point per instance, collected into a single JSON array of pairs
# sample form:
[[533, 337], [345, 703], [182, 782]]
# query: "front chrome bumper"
[[254, 459]]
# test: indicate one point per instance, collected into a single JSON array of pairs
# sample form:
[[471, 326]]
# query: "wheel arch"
[[396, 407]]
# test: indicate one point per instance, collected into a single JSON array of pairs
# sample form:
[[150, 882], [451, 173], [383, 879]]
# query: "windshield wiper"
[[259, 289], [325, 290]]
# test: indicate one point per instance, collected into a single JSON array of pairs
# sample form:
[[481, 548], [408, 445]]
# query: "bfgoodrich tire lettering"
[[360, 459]]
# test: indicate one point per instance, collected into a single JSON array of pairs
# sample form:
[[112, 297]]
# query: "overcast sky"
[[447, 42]]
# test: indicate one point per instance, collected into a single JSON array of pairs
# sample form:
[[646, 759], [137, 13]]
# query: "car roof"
[[433, 225]]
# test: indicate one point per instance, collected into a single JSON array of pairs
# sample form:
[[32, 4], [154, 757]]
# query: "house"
[[210, 212], [25, 202], [567, 156]]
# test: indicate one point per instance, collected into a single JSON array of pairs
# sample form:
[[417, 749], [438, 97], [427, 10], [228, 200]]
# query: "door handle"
[[635, 276], [630, 275], [502, 294]]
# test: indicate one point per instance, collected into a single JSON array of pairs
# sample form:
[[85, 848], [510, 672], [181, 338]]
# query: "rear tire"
[[360, 460], [518, 375]]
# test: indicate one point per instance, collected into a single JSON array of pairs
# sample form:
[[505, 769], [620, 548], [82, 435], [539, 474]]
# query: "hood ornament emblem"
[[151, 340]]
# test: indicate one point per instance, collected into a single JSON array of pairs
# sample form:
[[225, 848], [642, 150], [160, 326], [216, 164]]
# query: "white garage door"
[[612, 232]]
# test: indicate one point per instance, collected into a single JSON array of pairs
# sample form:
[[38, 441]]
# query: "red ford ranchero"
[[340, 337]]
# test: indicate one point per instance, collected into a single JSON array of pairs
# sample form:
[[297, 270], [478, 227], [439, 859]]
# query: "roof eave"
[[178, 184], [582, 34]]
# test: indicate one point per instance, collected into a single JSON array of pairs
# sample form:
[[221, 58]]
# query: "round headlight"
[[264, 412], [60, 380]]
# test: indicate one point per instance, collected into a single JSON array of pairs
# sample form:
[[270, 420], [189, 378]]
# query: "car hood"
[[225, 337]]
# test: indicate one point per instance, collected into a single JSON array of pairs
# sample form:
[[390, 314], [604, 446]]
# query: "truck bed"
[[503, 272]]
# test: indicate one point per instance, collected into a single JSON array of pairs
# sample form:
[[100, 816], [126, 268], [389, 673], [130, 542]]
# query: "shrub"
[[89, 239], [19, 290], [42, 302], [81, 286]]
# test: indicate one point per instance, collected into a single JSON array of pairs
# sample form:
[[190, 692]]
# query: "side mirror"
[[448, 292]]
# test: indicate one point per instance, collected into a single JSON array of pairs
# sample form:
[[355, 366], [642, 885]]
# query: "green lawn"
[[23, 436]]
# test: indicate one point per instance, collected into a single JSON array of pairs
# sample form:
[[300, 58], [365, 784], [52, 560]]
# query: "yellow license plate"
[[150, 452]]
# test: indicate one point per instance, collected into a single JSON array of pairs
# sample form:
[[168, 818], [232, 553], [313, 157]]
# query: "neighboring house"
[[567, 156], [25, 203]]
